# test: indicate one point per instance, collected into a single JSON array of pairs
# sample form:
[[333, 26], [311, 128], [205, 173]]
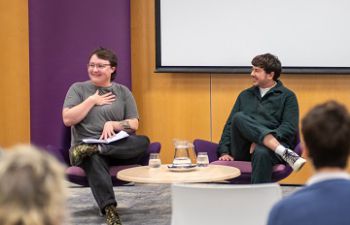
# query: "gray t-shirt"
[[124, 107]]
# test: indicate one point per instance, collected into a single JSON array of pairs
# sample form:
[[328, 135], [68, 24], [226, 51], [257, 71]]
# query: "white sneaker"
[[293, 159]]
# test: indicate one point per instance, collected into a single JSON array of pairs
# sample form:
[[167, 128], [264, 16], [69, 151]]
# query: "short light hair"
[[32, 187]]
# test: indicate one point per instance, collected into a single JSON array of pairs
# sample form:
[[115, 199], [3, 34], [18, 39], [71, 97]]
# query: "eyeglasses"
[[98, 66]]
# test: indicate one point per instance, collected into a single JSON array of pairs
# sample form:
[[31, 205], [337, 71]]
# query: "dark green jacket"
[[278, 111]]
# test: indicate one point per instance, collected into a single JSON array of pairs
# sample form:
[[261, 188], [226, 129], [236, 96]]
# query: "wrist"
[[116, 125], [91, 100]]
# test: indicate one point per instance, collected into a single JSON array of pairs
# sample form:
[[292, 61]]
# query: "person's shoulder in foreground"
[[322, 203], [326, 197]]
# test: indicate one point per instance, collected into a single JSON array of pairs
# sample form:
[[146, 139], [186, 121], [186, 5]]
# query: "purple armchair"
[[77, 175], [280, 171]]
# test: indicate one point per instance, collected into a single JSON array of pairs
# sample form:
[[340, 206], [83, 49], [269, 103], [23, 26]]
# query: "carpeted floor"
[[137, 205]]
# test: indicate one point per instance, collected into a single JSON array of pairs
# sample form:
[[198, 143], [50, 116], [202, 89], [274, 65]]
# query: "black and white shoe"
[[293, 159]]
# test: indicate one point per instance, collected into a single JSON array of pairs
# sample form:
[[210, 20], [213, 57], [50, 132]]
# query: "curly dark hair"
[[270, 63]]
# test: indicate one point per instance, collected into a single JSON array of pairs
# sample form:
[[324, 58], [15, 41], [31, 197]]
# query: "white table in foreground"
[[144, 174]]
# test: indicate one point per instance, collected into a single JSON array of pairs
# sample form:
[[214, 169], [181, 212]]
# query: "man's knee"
[[239, 117], [140, 140], [145, 139], [140, 144]]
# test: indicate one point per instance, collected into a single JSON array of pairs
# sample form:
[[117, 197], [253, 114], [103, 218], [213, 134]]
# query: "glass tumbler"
[[202, 159], [154, 160]]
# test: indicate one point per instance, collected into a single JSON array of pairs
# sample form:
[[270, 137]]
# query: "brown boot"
[[112, 217], [79, 152]]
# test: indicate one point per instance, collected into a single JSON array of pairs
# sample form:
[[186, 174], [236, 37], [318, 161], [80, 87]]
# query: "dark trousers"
[[244, 131], [126, 151]]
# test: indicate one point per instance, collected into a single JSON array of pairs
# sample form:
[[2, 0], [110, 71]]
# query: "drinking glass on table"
[[154, 160], [202, 159]]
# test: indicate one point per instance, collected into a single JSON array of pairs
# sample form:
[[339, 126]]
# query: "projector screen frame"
[[227, 69]]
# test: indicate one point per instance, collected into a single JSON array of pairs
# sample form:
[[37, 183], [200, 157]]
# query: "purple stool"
[[280, 171], [77, 175]]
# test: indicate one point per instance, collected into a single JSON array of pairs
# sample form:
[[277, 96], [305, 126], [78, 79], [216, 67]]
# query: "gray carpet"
[[137, 205]]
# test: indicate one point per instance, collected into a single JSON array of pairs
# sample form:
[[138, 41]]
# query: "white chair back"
[[208, 204]]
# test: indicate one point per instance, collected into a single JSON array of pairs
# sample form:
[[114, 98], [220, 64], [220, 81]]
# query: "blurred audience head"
[[32, 187], [326, 131]]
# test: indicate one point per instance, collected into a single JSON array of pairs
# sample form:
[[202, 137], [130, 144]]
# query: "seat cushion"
[[245, 167], [77, 175], [279, 172]]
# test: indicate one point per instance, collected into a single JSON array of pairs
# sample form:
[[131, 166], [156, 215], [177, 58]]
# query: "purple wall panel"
[[62, 34]]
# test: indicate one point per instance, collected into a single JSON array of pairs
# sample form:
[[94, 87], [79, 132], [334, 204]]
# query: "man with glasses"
[[99, 108]]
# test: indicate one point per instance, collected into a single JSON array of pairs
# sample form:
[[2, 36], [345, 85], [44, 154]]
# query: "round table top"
[[145, 174]]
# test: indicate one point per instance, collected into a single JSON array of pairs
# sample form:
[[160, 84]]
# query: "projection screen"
[[308, 36]]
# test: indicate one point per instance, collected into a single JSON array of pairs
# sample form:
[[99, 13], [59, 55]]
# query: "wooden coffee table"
[[212, 173]]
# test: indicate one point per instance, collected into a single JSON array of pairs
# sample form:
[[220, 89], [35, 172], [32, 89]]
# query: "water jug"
[[182, 153]]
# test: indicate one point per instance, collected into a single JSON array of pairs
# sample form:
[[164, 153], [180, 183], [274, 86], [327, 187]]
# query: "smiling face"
[[261, 78], [100, 71]]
